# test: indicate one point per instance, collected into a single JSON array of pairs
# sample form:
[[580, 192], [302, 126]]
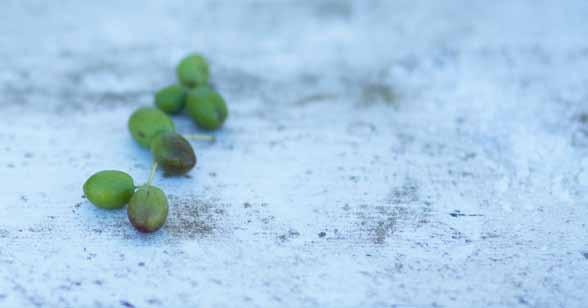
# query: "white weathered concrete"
[[378, 153]]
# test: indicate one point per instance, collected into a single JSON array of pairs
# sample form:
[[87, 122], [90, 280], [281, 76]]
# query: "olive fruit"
[[207, 108], [173, 153], [109, 189], [146, 123], [193, 71], [171, 99], [148, 209]]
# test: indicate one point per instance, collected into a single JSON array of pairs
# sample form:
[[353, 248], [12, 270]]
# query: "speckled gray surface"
[[378, 154]]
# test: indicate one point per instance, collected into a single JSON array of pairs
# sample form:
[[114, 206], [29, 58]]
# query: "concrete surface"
[[377, 154]]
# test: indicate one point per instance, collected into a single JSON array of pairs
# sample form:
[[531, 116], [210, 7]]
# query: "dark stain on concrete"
[[191, 217]]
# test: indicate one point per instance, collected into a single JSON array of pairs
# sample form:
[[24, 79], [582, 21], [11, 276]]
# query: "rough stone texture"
[[378, 153]]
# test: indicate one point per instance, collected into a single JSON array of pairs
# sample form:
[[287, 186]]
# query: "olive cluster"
[[153, 129]]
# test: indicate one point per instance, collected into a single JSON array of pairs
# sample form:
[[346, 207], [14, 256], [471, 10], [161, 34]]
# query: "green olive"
[[193, 71], [148, 209], [171, 99], [173, 153], [207, 108], [109, 189], [147, 122]]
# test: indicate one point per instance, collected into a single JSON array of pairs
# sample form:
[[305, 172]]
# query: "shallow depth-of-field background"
[[377, 153]]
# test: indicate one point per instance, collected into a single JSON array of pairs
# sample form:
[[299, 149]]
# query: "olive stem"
[[199, 137], [152, 175]]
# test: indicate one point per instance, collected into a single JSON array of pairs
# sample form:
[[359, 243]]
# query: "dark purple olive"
[[173, 153]]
